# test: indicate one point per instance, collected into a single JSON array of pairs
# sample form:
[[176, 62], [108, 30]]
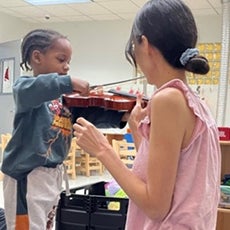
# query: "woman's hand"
[[138, 113], [89, 137]]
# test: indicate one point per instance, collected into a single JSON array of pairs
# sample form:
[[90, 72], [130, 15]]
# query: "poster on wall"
[[7, 75]]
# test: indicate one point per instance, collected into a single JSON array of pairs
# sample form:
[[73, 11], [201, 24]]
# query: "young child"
[[42, 131], [175, 179]]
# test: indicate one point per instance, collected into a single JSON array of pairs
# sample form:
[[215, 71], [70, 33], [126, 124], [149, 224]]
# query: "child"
[[42, 131], [175, 179]]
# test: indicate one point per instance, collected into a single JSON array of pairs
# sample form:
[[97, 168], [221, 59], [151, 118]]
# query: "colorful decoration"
[[212, 51]]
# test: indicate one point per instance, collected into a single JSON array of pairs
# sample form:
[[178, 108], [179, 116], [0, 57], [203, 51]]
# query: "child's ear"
[[36, 56]]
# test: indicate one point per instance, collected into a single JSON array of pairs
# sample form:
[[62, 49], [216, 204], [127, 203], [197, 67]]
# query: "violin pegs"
[[118, 88], [131, 91], [137, 92]]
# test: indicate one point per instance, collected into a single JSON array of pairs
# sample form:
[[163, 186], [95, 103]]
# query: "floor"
[[79, 181]]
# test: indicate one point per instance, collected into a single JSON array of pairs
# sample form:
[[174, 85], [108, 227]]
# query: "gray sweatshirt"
[[42, 127]]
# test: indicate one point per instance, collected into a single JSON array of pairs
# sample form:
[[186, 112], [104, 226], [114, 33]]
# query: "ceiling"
[[97, 10]]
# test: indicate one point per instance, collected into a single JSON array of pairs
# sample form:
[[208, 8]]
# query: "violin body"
[[106, 100]]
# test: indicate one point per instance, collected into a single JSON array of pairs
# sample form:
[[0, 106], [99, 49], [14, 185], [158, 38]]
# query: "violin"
[[106, 100], [111, 100]]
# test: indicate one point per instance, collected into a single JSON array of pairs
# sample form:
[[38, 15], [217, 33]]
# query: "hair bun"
[[198, 65]]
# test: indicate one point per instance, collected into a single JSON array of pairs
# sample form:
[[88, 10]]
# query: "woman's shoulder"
[[172, 91], [169, 101], [168, 95]]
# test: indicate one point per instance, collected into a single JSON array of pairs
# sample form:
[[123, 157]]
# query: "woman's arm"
[[166, 135]]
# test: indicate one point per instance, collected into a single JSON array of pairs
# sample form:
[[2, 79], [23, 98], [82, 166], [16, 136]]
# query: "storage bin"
[[224, 133], [87, 208], [225, 196]]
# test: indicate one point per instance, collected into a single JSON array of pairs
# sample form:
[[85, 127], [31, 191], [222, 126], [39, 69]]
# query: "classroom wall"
[[98, 52], [98, 47], [12, 28], [8, 50]]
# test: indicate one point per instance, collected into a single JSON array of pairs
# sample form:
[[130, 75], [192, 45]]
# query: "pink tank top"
[[196, 194]]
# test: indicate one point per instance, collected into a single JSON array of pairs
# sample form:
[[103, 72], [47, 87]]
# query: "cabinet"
[[223, 219]]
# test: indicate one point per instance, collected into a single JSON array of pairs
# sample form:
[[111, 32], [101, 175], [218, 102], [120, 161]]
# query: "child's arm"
[[33, 91]]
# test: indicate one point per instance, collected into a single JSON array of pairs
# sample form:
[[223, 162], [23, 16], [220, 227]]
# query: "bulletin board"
[[212, 51]]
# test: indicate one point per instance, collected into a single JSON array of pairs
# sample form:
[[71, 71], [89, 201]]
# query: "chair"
[[4, 141], [5, 138], [85, 163], [70, 159], [125, 150]]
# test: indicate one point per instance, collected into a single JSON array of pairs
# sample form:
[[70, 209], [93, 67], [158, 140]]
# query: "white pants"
[[43, 189]]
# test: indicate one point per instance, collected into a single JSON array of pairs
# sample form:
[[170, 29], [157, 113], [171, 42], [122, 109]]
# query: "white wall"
[[98, 50], [12, 28], [209, 28]]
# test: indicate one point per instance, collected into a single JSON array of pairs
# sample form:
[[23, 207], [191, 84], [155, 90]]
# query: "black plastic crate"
[[90, 211], [72, 212]]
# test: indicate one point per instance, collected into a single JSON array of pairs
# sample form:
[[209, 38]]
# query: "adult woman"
[[174, 183]]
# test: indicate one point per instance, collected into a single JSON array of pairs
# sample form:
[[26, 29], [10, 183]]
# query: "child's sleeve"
[[32, 91]]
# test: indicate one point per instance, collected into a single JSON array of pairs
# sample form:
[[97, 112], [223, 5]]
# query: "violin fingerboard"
[[124, 93]]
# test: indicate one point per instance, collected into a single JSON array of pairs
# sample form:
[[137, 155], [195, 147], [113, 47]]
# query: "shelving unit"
[[223, 220]]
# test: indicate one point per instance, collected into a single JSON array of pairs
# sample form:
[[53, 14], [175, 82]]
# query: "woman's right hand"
[[80, 86]]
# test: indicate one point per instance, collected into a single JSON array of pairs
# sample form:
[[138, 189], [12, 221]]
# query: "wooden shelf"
[[224, 210], [224, 142], [223, 220]]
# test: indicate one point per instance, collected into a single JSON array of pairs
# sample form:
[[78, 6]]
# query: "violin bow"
[[116, 82]]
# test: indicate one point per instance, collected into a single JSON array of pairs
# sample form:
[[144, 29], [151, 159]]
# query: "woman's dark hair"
[[170, 27], [38, 39]]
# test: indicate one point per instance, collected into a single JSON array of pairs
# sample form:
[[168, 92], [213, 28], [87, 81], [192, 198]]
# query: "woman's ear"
[[148, 48], [145, 44], [36, 57]]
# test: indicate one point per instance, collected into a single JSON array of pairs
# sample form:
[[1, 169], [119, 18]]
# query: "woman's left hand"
[[89, 137]]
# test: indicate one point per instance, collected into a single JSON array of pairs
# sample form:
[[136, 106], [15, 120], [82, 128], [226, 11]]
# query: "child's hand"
[[80, 86]]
